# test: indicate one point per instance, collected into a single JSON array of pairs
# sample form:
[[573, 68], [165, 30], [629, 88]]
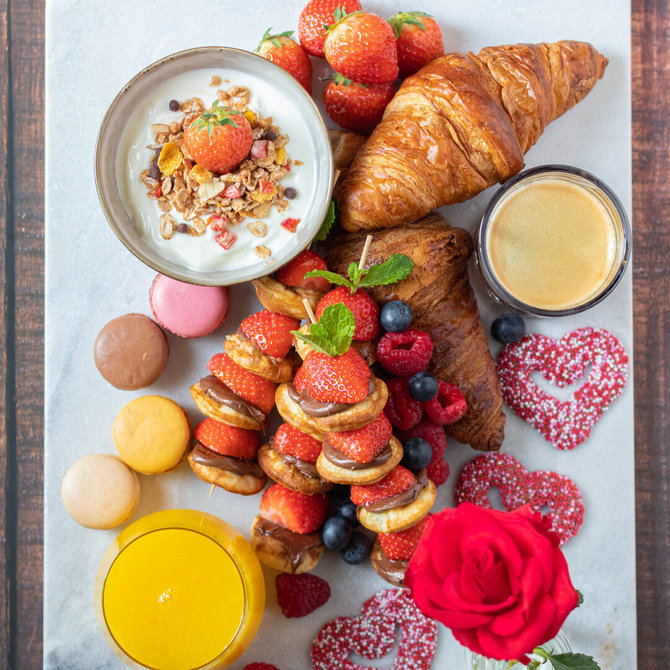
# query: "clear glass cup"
[[594, 186], [559, 645], [179, 590]]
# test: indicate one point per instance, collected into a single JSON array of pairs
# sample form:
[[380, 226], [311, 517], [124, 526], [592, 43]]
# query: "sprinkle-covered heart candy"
[[563, 362], [372, 634], [519, 487]]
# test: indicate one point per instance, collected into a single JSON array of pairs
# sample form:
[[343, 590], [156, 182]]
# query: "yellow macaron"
[[152, 434]]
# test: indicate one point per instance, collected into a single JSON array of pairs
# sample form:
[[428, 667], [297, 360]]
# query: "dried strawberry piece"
[[404, 354], [259, 149], [448, 405], [402, 410], [232, 192], [226, 239], [266, 186], [300, 595], [290, 224], [217, 223]]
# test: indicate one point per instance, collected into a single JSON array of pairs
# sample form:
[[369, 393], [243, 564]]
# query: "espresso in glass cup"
[[554, 241]]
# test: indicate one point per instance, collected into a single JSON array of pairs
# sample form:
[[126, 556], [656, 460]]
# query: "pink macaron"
[[188, 310]]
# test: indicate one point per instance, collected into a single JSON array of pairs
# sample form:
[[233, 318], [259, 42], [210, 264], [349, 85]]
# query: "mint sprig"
[[393, 270], [568, 661], [333, 333], [327, 223]]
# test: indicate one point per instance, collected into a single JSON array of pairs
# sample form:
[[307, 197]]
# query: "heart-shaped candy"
[[519, 487], [372, 634], [563, 362]]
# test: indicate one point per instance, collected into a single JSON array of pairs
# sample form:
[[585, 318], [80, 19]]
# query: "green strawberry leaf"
[[572, 662], [327, 223], [395, 269], [332, 277], [580, 598], [333, 333]]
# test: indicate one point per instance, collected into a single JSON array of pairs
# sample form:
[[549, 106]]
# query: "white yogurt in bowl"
[[122, 154]]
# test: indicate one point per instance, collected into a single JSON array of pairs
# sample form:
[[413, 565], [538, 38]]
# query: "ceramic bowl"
[[110, 162]]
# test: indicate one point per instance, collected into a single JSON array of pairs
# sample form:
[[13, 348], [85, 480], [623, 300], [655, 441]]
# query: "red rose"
[[497, 579]]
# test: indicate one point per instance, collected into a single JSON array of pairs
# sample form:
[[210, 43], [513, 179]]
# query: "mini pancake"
[[276, 554], [152, 434], [214, 410], [399, 518], [360, 414], [338, 475], [288, 475], [243, 484], [249, 356], [287, 300]]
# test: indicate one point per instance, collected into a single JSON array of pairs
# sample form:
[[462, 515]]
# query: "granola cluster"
[[203, 198]]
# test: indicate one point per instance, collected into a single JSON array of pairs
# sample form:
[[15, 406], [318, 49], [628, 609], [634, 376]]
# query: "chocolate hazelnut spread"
[[401, 499], [215, 389], [388, 569], [307, 469], [336, 457], [239, 466], [314, 408], [365, 349], [296, 545]]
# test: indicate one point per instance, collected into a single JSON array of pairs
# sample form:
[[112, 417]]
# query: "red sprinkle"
[[372, 634], [226, 239], [563, 362], [290, 224], [519, 487]]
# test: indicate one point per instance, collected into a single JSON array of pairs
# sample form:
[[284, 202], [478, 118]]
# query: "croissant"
[[461, 124], [444, 306]]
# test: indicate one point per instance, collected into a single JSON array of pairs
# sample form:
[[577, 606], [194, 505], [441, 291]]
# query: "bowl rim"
[[178, 55]]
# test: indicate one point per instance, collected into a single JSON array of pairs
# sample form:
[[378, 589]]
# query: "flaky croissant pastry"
[[444, 306], [460, 125]]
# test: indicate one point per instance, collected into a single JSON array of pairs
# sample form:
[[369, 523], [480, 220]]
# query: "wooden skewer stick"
[[211, 490], [364, 255], [309, 310]]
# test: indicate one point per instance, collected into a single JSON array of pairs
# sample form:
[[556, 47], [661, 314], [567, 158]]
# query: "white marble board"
[[93, 49]]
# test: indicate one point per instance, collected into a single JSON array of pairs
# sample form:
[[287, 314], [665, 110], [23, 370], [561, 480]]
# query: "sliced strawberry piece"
[[228, 440], [363, 444], [255, 390], [401, 546], [343, 379], [395, 482], [290, 440], [270, 331], [448, 405], [293, 510], [362, 306], [402, 410], [293, 273]]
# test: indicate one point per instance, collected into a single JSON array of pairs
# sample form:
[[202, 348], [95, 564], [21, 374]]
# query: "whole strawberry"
[[419, 41], [220, 139], [356, 107], [316, 14], [270, 331], [361, 305], [361, 46], [283, 50]]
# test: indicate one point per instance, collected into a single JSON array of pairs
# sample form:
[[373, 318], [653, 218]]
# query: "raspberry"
[[431, 432], [300, 595], [447, 406], [404, 354], [260, 666], [438, 471], [402, 410]]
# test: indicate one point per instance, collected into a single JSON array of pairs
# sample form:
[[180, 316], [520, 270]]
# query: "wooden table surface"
[[22, 335]]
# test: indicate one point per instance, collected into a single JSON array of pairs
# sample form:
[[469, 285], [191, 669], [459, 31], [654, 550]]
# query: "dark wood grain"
[[651, 285], [21, 331]]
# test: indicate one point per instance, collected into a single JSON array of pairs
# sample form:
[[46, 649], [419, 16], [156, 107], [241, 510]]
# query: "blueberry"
[[347, 510], [508, 328], [357, 550], [336, 533], [396, 316], [423, 386], [418, 454]]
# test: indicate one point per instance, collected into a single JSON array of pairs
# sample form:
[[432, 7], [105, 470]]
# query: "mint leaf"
[[395, 269], [332, 334], [332, 277], [355, 274], [572, 662], [327, 223]]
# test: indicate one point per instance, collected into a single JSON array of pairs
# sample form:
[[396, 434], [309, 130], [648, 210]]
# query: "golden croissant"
[[460, 125]]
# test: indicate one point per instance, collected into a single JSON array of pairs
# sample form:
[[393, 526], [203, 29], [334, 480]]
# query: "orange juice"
[[179, 590]]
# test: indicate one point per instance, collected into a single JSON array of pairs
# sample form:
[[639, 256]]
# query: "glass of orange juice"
[[179, 590]]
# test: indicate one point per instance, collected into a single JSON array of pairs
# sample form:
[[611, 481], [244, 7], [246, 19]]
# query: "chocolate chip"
[[174, 106], [182, 228], [271, 136], [154, 171], [290, 193]]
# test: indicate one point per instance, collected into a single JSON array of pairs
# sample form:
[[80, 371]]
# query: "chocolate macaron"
[[131, 352]]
